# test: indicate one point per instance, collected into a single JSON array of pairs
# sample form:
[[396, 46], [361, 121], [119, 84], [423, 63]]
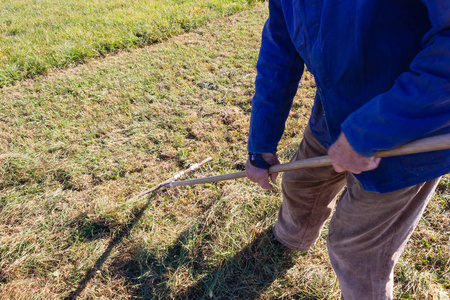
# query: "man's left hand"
[[344, 158]]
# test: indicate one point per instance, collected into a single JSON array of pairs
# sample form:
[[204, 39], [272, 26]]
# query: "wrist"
[[257, 160]]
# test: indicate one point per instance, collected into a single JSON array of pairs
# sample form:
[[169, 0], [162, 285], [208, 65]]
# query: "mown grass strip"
[[38, 35]]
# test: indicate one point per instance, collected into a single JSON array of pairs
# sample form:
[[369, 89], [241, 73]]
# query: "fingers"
[[356, 165], [273, 177], [344, 158], [260, 176], [264, 183], [337, 167]]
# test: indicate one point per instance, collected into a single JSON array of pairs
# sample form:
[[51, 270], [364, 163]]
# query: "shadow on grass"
[[123, 232], [246, 275], [87, 229]]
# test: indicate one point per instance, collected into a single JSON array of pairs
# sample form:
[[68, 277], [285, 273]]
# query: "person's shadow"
[[246, 275]]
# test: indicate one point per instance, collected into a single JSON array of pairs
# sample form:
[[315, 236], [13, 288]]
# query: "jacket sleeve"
[[418, 104], [279, 70]]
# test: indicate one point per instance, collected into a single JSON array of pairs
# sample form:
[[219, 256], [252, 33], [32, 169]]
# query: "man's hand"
[[261, 176], [344, 158]]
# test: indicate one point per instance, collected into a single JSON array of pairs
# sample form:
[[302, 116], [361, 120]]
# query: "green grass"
[[79, 143], [39, 35]]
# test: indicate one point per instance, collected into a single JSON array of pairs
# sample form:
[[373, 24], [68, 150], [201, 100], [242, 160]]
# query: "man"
[[382, 70]]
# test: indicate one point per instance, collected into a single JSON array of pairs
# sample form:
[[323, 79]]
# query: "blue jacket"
[[382, 70]]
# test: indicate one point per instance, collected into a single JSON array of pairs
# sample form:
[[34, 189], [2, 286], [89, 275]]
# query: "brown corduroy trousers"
[[368, 231]]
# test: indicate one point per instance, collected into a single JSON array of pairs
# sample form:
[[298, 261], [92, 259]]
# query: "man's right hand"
[[261, 176]]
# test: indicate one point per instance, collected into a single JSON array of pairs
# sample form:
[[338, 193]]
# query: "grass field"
[[39, 35], [78, 144]]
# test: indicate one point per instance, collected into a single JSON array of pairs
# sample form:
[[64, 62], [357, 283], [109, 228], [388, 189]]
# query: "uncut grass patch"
[[38, 35]]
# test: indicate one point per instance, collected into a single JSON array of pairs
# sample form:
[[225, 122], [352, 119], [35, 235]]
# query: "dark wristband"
[[257, 161]]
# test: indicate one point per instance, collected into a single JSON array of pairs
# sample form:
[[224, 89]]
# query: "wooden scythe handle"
[[439, 142]]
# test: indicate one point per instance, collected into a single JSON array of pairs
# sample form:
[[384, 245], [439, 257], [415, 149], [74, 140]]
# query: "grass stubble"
[[77, 144]]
